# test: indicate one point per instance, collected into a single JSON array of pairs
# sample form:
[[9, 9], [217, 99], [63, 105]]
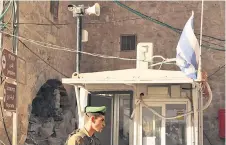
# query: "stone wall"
[[104, 38], [32, 71]]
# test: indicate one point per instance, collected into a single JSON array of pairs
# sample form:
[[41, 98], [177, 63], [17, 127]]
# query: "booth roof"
[[131, 76]]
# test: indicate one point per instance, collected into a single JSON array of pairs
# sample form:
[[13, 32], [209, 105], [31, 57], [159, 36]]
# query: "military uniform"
[[81, 136]]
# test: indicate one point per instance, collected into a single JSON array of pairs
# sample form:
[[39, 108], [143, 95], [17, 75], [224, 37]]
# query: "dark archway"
[[51, 119]]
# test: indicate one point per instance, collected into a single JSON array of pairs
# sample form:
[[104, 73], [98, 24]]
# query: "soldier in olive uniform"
[[94, 122]]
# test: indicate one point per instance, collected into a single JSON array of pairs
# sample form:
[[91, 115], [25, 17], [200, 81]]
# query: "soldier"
[[94, 122]]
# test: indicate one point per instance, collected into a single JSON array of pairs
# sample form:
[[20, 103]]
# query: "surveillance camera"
[[71, 7]]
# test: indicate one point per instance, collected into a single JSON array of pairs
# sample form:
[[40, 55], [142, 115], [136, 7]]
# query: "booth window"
[[125, 123], [176, 128], [128, 42], [119, 108]]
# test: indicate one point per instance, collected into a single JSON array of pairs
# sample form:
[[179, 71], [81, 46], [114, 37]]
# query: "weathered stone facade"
[[33, 73], [104, 38]]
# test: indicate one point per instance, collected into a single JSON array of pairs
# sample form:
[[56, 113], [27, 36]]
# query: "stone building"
[[37, 22], [116, 23], [115, 32]]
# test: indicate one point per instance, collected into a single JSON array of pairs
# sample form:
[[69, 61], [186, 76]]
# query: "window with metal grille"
[[128, 42], [54, 6]]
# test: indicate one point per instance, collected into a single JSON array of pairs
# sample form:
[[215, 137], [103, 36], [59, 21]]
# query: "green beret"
[[94, 109]]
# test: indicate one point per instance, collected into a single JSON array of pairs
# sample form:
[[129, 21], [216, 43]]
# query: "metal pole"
[[1, 9], [15, 26], [15, 47], [195, 96], [78, 58], [201, 118], [1, 44], [79, 43]]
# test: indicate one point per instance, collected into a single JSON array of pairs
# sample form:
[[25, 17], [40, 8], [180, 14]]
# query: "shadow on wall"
[[51, 119]]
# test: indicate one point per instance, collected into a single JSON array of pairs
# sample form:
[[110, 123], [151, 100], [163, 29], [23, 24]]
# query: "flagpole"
[[200, 79]]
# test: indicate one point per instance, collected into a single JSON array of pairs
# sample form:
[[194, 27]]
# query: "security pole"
[[79, 11]]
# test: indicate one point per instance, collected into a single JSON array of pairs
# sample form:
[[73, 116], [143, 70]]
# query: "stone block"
[[61, 133], [54, 141], [42, 142], [47, 129], [51, 38], [73, 125], [35, 127], [46, 132], [34, 119], [67, 115]]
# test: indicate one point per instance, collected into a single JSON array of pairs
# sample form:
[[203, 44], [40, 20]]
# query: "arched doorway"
[[51, 118]]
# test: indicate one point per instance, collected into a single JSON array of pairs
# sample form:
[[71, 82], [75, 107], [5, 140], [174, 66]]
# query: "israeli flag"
[[188, 50]]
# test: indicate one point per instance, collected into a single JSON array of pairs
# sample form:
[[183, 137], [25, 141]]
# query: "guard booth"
[[144, 106]]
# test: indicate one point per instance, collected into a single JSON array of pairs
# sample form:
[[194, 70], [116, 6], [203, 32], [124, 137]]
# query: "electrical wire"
[[213, 48], [49, 24], [62, 24], [63, 74], [212, 43], [2, 142], [37, 55], [166, 25], [163, 117], [139, 14], [7, 8], [42, 59], [120, 20], [166, 61], [216, 71], [67, 49], [3, 25], [157, 21], [43, 24], [3, 120], [140, 101], [207, 137], [143, 102], [56, 47]]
